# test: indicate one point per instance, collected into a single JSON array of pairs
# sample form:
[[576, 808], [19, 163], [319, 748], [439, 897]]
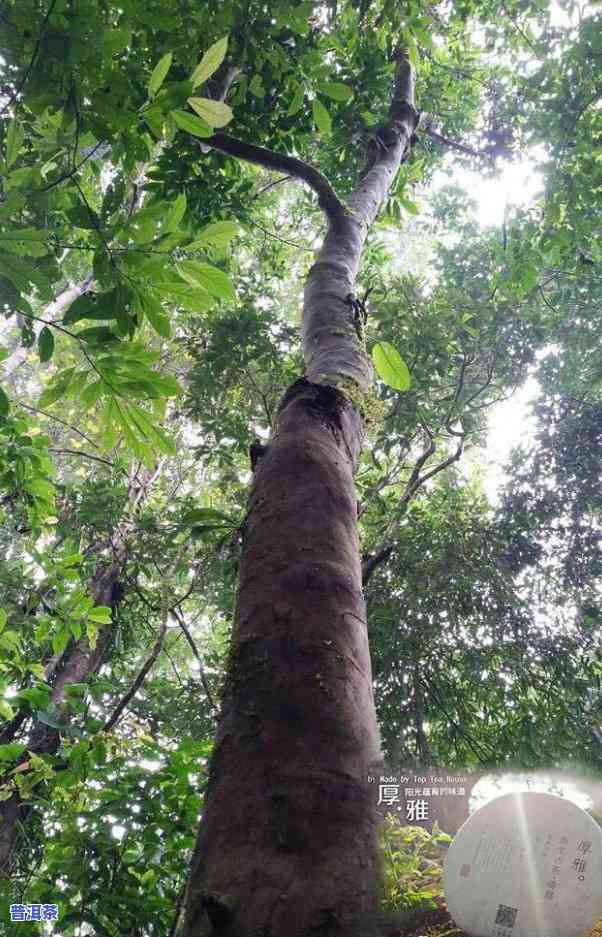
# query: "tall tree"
[[117, 176], [298, 709]]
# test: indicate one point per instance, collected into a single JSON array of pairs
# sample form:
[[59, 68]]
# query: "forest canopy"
[[169, 172]]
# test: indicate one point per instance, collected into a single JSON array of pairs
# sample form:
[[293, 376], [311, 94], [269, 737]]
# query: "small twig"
[[148, 663], [71, 173], [77, 123], [258, 390], [180, 620], [84, 455], [518, 28], [58, 420], [96, 222], [460, 147], [29, 315], [270, 185], [282, 240], [414, 480], [443, 465], [82, 345]]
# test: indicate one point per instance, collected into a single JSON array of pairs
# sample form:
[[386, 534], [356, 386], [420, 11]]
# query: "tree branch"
[[260, 156], [442, 465], [71, 172], [148, 663], [467, 150], [51, 416], [195, 651], [414, 480], [370, 563], [83, 455], [403, 89]]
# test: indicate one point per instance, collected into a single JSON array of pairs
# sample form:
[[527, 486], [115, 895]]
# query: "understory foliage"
[[150, 291], [414, 864]]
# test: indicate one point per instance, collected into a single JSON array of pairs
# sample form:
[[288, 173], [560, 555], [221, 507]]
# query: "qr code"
[[506, 916]]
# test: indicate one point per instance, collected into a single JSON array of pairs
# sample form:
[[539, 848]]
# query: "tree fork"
[[288, 842]]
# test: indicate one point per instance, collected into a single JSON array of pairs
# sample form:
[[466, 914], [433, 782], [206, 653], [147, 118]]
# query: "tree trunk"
[[289, 831], [288, 843]]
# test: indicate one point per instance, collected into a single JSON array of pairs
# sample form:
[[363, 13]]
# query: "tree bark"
[[288, 842], [289, 832]]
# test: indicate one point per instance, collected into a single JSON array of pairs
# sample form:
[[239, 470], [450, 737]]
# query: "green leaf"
[[45, 344], [218, 234], [115, 40], [11, 751], [175, 213], [41, 487], [155, 118], [195, 300], [166, 385], [91, 393], [154, 312], [49, 716], [6, 710], [209, 278], [390, 366], [409, 206], [11, 640], [101, 614], [28, 242], [192, 124], [57, 388], [297, 102], [38, 696], [159, 72], [3, 618], [211, 61], [23, 274], [198, 515], [216, 113], [152, 432], [96, 306], [98, 335], [529, 278], [14, 141], [321, 117], [335, 90], [72, 559], [4, 404], [140, 449], [256, 86], [412, 50]]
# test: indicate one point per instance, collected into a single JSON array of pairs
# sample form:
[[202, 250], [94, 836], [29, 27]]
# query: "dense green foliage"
[[150, 291]]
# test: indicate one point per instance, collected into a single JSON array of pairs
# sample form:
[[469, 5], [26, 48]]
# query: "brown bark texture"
[[288, 828], [288, 843]]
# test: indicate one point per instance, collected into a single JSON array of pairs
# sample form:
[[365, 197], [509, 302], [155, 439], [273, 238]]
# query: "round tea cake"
[[526, 865]]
